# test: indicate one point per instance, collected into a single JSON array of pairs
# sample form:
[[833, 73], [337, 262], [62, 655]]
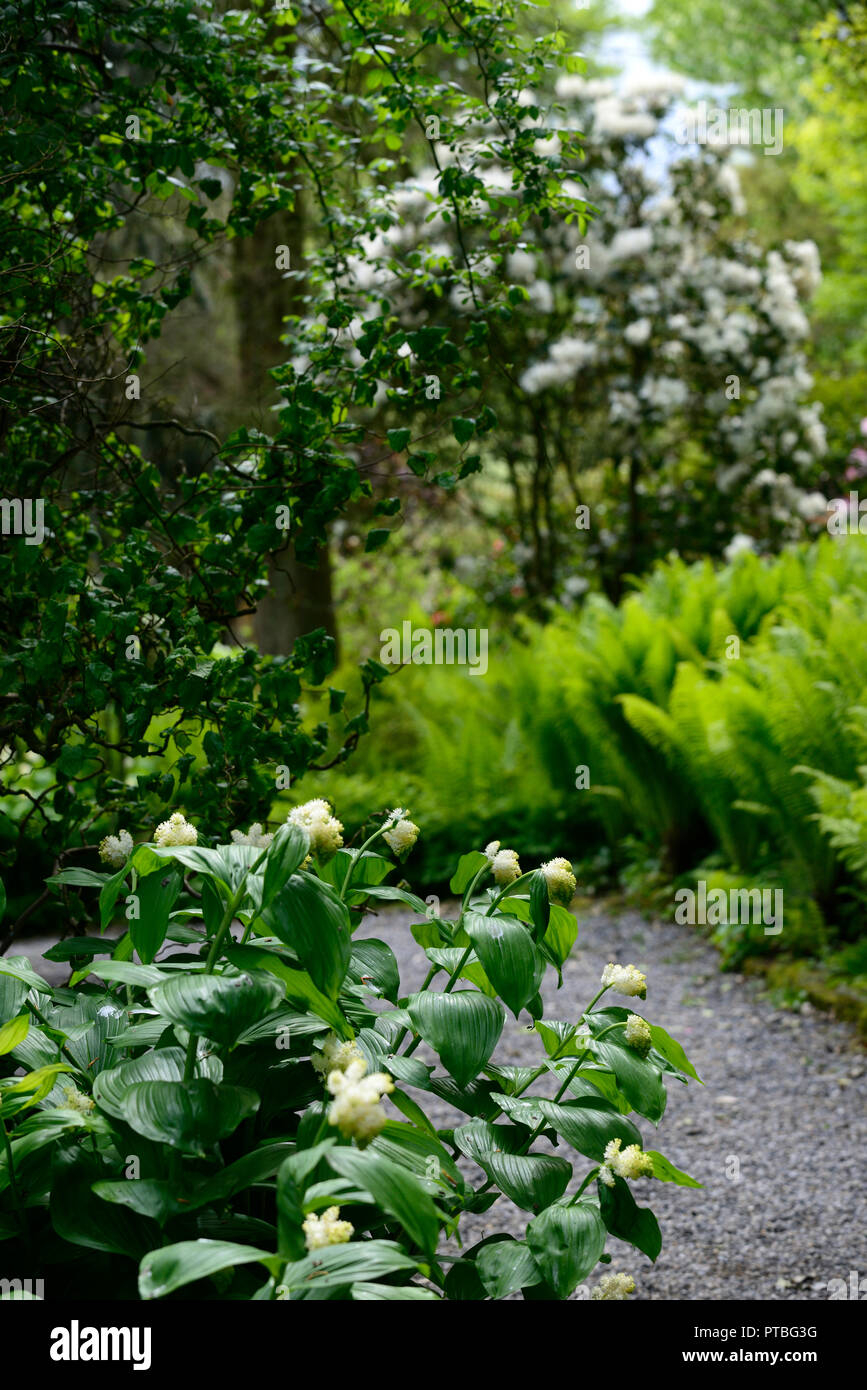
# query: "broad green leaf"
[[287, 851], [566, 1243], [561, 934], [109, 895], [510, 959], [157, 894], [468, 866], [309, 916], [19, 968], [665, 1171], [219, 1007], [672, 1051], [414, 1149], [401, 895], [299, 986], [532, 1181], [628, 1221], [505, 1266], [479, 1139], [540, 906], [462, 1027], [78, 878], [163, 1064], [128, 972], [14, 1032], [191, 1116], [589, 1125], [639, 1080], [373, 962], [151, 1197], [82, 1218], [394, 1189], [162, 1271], [337, 1266], [393, 1293]]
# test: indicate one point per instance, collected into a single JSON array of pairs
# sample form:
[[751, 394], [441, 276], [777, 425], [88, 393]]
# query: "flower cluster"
[[504, 863], [326, 1229], [400, 834], [625, 979], [175, 831], [77, 1100], [115, 850], [335, 1055], [356, 1108], [631, 1163], [560, 879], [256, 836], [614, 1287], [324, 829], [638, 1034]]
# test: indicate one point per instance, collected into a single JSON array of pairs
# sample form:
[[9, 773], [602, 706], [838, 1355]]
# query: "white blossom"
[[115, 850]]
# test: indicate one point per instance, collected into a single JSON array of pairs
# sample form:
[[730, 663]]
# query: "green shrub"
[[212, 1121]]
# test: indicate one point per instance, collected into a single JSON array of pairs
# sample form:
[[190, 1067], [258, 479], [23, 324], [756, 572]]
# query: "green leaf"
[[532, 1181], [463, 429], [288, 850], [462, 1027], [589, 1125], [220, 1007], [78, 878], [191, 1116], [665, 1171], [81, 1217], [374, 963], [510, 959], [128, 972], [468, 866], [566, 1243], [672, 1051], [163, 1064], [163, 1271], [336, 1266], [14, 1032], [109, 895], [367, 1293], [628, 1221], [157, 894], [19, 968], [561, 934], [398, 440], [299, 987], [540, 906], [639, 1080], [151, 1197], [505, 1266], [394, 1189], [309, 916]]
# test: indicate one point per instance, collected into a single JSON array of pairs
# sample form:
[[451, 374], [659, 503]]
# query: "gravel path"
[[783, 1096]]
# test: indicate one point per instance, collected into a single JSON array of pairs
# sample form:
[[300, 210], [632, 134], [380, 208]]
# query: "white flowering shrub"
[[658, 341], [233, 1105]]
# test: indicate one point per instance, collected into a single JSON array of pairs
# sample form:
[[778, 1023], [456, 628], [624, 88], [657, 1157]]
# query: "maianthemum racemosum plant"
[[203, 1113]]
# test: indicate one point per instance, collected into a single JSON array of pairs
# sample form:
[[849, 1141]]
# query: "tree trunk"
[[299, 598]]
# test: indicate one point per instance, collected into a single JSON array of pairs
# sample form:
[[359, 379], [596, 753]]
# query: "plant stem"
[[13, 1182], [353, 861], [213, 954]]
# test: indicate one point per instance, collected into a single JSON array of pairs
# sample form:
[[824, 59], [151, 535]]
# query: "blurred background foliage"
[[718, 706]]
